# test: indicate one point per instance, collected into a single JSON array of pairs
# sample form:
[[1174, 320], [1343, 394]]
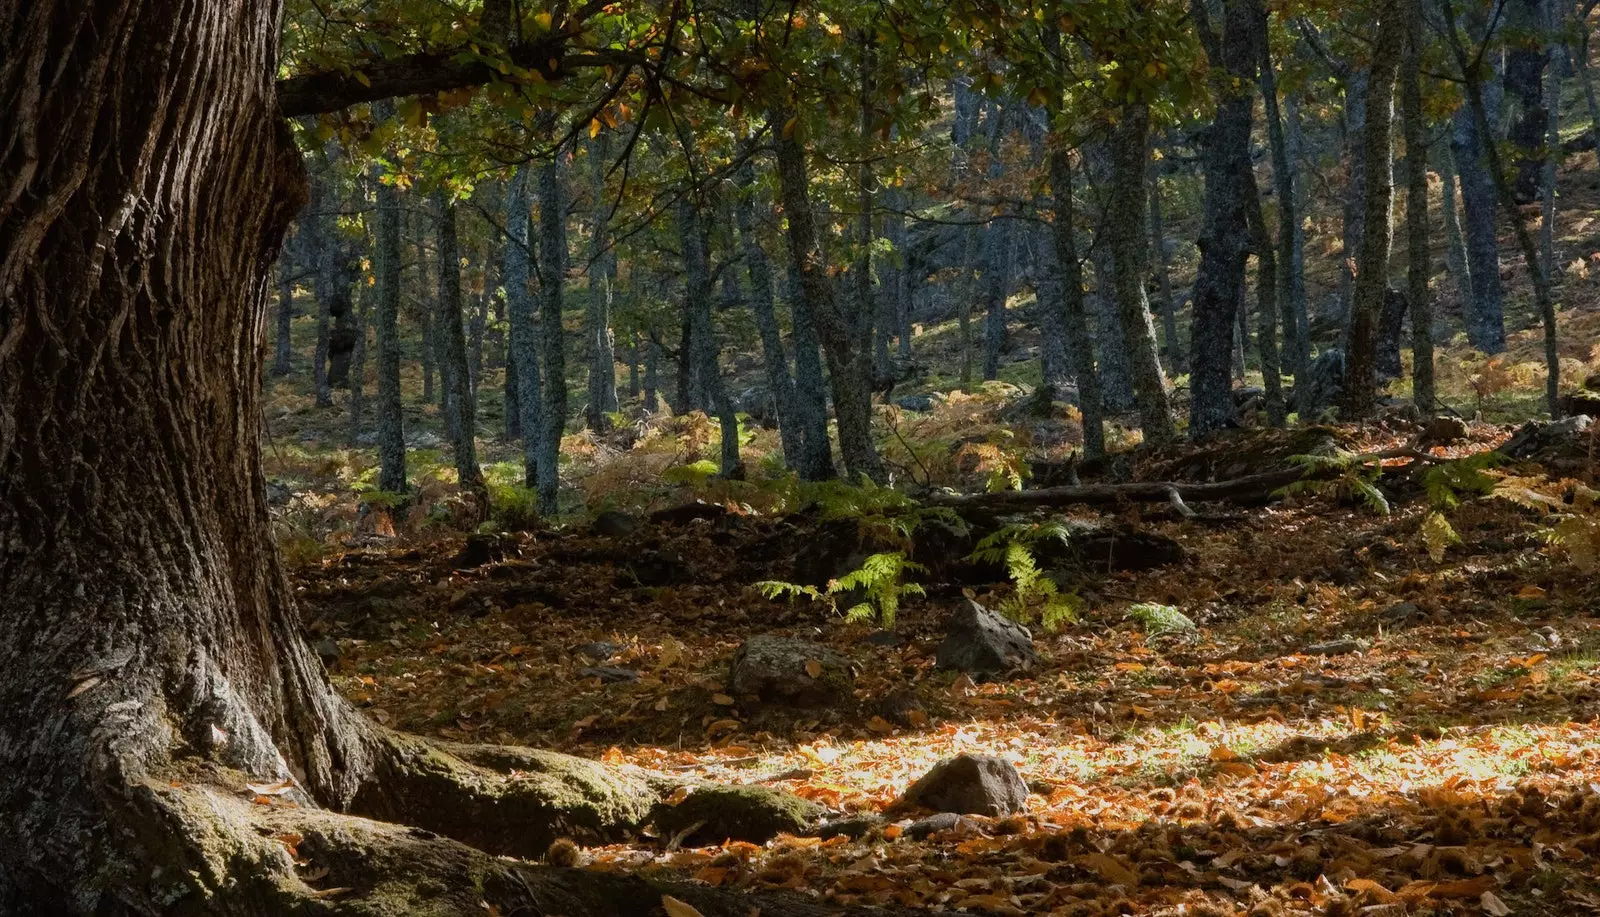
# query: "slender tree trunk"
[[386, 267], [1455, 244], [849, 362], [358, 367], [552, 275], [1116, 376], [1219, 279], [1074, 318], [1544, 299], [1357, 86], [430, 346], [478, 327], [1267, 277], [523, 333], [774, 357], [1552, 139], [1418, 252], [698, 306], [1377, 234], [284, 344], [459, 377], [1290, 256], [600, 347], [1130, 155], [323, 246], [1484, 308], [1298, 301], [1171, 348], [810, 387], [652, 363], [994, 277], [1579, 55]]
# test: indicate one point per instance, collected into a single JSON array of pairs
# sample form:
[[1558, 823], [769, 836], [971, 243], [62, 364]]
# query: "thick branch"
[[427, 73], [1251, 487]]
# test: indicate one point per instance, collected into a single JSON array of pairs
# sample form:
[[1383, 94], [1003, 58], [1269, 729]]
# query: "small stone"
[[609, 674], [1444, 430], [980, 642], [971, 785], [328, 651], [918, 403], [1334, 648], [780, 669], [599, 650], [614, 524], [903, 708], [855, 828], [756, 814], [1399, 613], [933, 824], [479, 549], [886, 638]]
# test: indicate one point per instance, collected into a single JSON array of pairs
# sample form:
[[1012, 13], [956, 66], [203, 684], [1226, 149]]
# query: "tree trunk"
[[774, 358], [1290, 259], [1219, 279], [1455, 244], [1074, 320], [1552, 140], [454, 337], [1484, 309], [810, 387], [321, 245], [1357, 85], [284, 344], [849, 361], [358, 368], [697, 305], [552, 276], [386, 266], [1298, 302], [994, 270], [599, 345], [1579, 55], [1417, 248], [1171, 348], [1525, 76], [524, 331], [1267, 276], [652, 363], [1377, 232], [1130, 155]]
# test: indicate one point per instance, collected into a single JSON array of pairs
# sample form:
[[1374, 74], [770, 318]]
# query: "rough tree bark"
[[599, 346], [1171, 347], [154, 665], [1484, 308], [1080, 348], [1455, 244], [1130, 155], [849, 359], [1377, 232], [698, 306], [1290, 259], [1417, 248], [775, 358], [459, 377], [524, 333], [386, 266], [1223, 248], [552, 250], [283, 349]]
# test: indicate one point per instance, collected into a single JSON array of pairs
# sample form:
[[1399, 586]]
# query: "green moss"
[[742, 813]]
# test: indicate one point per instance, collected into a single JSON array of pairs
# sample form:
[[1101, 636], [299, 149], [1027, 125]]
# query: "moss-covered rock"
[[742, 813]]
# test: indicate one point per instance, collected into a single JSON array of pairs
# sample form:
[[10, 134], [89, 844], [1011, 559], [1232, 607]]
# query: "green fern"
[[1447, 482], [880, 578], [694, 474], [1036, 595], [1344, 474]]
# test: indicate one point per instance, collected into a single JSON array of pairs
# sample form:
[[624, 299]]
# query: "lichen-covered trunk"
[[1116, 375], [995, 267], [1377, 233], [849, 357], [1290, 257], [145, 613], [810, 387], [1171, 348], [283, 345], [1455, 243], [698, 305], [1219, 280]]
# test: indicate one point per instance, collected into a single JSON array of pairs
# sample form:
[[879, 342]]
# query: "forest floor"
[[1357, 723]]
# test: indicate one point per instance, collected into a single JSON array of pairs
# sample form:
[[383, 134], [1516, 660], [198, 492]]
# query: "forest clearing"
[[714, 460]]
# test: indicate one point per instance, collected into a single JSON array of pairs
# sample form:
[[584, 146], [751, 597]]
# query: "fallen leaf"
[[813, 668], [676, 908], [1492, 905], [270, 789]]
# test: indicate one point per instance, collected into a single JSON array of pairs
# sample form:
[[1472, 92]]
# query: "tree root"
[[226, 855]]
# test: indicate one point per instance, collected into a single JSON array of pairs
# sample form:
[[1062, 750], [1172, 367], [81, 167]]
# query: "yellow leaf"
[[676, 908], [880, 725], [594, 128], [722, 700], [789, 126], [1492, 905], [543, 20], [1111, 869], [1223, 753], [813, 668]]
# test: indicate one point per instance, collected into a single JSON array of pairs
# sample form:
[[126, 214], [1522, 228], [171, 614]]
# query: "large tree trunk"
[[1219, 279], [1377, 232], [1074, 320], [1291, 280], [698, 306], [849, 360]]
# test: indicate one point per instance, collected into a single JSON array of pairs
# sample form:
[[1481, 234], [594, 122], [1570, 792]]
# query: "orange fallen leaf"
[[813, 668]]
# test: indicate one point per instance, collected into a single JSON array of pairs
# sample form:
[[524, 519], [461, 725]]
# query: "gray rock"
[[609, 674], [422, 439], [1323, 386], [1399, 613], [278, 493], [979, 642], [600, 650], [971, 785], [901, 707], [328, 651], [918, 403], [935, 824], [757, 814], [775, 669], [886, 638]]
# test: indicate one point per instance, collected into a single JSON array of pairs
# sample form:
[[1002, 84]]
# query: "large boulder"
[[1323, 386], [971, 785], [712, 814], [979, 642], [1562, 447], [796, 672]]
